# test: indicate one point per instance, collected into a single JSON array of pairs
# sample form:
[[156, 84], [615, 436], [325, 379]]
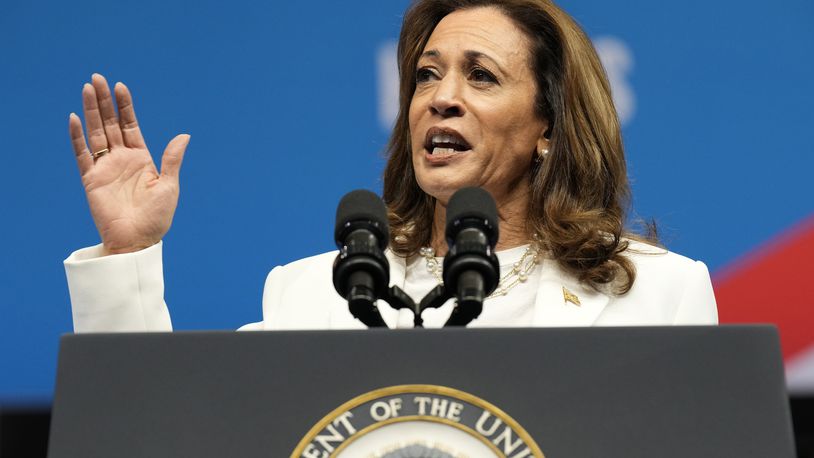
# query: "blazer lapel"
[[563, 301]]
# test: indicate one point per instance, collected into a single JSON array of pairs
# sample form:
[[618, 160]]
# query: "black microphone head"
[[473, 204], [365, 207]]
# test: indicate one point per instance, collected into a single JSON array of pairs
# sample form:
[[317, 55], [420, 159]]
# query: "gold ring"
[[100, 153]]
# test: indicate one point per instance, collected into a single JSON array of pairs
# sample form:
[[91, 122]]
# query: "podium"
[[516, 393]]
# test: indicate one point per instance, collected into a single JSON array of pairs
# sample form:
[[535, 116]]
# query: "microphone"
[[361, 273], [471, 268]]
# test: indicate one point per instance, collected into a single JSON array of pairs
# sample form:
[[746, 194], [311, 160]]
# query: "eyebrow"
[[470, 55]]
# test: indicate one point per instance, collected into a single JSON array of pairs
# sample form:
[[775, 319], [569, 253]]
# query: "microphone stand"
[[460, 316], [437, 297], [398, 299], [367, 312]]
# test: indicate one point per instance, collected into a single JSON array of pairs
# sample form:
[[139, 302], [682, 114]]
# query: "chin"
[[442, 190]]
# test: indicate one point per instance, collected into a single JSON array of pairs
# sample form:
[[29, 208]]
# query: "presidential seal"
[[417, 421]]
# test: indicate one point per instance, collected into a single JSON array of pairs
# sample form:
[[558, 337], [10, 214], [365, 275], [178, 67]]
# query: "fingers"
[[107, 111], [96, 131], [80, 147], [174, 155], [127, 117]]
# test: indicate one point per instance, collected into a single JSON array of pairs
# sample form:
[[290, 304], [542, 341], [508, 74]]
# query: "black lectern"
[[515, 393]]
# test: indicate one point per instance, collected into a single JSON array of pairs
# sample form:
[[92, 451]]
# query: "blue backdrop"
[[288, 106]]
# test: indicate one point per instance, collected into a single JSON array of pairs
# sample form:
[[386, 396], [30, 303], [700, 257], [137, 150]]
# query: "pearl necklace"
[[518, 274]]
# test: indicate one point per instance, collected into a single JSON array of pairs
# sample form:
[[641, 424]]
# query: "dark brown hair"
[[579, 193]]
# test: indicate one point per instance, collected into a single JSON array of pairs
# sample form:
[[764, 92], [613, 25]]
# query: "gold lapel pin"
[[568, 296]]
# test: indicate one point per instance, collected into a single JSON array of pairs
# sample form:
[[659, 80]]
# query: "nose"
[[447, 99]]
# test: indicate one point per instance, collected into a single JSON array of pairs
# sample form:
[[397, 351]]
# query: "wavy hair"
[[579, 193]]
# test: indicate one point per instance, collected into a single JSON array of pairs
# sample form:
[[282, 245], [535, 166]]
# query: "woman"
[[508, 95]]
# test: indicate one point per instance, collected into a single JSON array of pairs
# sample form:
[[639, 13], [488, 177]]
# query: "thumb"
[[174, 155]]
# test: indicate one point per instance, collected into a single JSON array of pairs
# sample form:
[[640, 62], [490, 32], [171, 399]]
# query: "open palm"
[[131, 203]]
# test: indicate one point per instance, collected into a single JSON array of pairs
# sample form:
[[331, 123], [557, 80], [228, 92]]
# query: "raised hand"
[[131, 203]]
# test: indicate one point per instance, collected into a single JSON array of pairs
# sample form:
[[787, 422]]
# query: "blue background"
[[282, 102]]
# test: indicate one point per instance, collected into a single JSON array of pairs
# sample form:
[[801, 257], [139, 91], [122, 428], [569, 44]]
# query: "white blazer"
[[125, 293]]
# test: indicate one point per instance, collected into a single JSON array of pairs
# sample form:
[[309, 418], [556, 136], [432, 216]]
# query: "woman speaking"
[[506, 95]]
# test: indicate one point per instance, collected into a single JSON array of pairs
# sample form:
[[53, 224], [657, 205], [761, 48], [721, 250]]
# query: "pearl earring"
[[543, 153]]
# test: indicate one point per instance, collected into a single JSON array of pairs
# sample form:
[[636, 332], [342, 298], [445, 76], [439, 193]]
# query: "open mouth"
[[444, 142]]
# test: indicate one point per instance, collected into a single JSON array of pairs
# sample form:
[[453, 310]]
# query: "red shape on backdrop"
[[774, 284]]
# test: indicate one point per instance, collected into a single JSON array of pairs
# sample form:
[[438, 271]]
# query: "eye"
[[422, 75], [482, 76]]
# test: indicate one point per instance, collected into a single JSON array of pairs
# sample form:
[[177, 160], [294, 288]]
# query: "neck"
[[512, 213]]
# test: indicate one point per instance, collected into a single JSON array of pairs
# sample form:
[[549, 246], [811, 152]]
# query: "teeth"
[[438, 150], [436, 139]]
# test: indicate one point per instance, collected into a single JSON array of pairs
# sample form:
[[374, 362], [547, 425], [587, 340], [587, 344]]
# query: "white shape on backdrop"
[[387, 68], [617, 58], [800, 372], [615, 54]]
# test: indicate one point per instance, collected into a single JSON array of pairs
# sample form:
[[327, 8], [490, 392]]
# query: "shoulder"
[[311, 272], [659, 268], [299, 295], [306, 265], [651, 258], [676, 289]]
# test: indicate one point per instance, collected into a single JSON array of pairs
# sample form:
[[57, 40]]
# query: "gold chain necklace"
[[518, 274]]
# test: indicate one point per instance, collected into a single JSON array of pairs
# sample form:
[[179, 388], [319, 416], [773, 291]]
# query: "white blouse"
[[514, 309]]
